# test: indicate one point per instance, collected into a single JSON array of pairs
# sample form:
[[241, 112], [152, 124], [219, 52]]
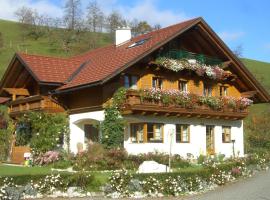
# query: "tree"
[[157, 27], [32, 23], [26, 15], [238, 51], [114, 21], [95, 17], [141, 28], [72, 15]]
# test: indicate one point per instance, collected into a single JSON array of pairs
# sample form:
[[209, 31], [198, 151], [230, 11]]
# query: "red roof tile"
[[97, 64], [50, 69]]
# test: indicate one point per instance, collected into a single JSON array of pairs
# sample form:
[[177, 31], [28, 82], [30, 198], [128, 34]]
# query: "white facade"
[[76, 125], [196, 145]]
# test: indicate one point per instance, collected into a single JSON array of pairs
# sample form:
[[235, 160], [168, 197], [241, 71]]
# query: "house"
[[187, 92]]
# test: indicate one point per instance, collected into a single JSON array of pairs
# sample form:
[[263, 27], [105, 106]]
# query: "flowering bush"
[[47, 158], [212, 72], [187, 100]]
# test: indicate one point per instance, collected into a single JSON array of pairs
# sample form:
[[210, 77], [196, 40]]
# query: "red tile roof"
[[50, 69], [98, 64]]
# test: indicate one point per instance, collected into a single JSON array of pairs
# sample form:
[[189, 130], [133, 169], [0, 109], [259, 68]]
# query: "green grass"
[[15, 42], [7, 170]]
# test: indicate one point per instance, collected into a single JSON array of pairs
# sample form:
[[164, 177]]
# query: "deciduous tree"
[[73, 13], [95, 17]]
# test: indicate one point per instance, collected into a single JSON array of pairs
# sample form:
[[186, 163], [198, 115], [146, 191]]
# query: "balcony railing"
[[181, 54], [33, 103], [135, 104]]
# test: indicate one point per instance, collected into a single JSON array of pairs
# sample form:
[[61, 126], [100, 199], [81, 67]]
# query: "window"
[[223, 91], [207, 90], [137, 43], [182, 86], [130, 81], [157, 83], [182, 133], [226, 134], [136, 131], [155, 133]]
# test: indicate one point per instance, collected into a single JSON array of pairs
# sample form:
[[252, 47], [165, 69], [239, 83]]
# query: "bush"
[[48, 130], [99, 158], [6, 132]]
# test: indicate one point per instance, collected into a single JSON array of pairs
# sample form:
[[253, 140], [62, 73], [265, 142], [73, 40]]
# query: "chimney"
[[122, 35]]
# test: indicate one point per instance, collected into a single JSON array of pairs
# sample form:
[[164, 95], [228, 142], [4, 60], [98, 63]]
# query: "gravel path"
[[255, 188]]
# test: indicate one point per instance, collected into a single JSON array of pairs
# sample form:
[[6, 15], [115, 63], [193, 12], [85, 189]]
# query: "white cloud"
[[231, 36], [141, 10], [146, 10], [8, 8]]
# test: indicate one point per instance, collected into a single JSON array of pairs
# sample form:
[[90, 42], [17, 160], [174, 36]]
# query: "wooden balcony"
[[136, 105], [33, 103]]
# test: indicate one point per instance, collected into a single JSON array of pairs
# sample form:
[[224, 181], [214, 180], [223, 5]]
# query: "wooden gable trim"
[[15, 58], [265, 97]]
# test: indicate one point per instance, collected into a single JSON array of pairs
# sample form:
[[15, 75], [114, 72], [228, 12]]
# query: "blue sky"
[[237, 22]]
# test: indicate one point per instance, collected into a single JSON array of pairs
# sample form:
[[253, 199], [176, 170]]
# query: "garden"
[[105, 168]]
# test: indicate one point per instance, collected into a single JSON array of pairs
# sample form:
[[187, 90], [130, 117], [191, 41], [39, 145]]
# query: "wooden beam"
[[248, 94], [17, 91], [226, 64]]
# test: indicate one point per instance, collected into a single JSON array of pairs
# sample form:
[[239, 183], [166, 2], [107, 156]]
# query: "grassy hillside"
[[16, 41]]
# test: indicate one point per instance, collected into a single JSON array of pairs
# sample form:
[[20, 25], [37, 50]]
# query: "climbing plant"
[[47, 130], [6, 131], [113, 125]]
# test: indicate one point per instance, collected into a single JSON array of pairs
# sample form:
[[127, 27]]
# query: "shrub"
[[47, 130], [6, 132], [47, 158]]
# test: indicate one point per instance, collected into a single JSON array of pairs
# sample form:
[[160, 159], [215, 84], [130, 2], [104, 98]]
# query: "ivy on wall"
[[113, 125], [6, 132], [43, 131]]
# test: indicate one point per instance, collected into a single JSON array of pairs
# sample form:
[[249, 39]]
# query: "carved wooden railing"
[[134, 104], [33, 103]]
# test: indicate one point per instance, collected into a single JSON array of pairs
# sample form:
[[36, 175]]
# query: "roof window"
[[138, 43]]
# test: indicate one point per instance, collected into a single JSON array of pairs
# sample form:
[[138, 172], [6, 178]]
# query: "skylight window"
[[138, 43]]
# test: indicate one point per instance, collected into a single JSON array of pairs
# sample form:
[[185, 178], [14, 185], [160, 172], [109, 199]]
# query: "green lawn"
[[7, 170]]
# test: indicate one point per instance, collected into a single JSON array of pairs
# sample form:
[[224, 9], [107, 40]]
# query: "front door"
[[90, 134], [210, 143]]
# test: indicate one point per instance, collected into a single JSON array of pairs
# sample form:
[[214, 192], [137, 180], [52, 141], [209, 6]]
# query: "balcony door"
[[210, 140]]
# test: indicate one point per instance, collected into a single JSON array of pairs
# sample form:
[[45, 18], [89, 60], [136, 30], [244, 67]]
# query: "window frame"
[[137, 133], [223, 91], [206, 89], [224, 140], [159, 82], [154, 133], [130, 79], [180, 86], [181, 133]]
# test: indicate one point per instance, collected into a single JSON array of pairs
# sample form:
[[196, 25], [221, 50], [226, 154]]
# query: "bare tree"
[[32, 23], [26, 15], [95, 17], [72, 15], [238, 51], [156, 27], [114, 21]]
